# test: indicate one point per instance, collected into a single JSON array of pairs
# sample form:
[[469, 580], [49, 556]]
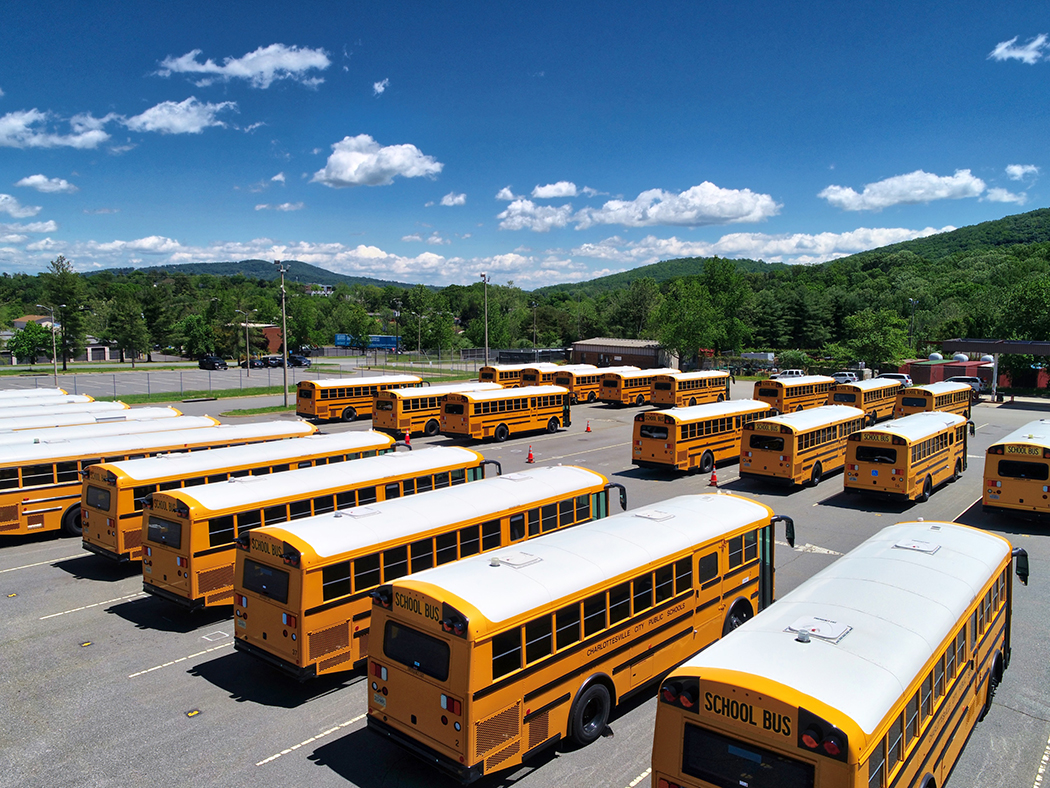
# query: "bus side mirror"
[[623, 494], [973, 429], [1021, 564], [499, 468], [789, 527]]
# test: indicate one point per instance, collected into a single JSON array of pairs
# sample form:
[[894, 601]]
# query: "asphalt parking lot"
[[103, 686]]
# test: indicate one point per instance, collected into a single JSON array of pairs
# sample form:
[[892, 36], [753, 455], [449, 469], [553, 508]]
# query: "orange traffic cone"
[[408, 438], [714, 479], [588, 426], [530, 458]]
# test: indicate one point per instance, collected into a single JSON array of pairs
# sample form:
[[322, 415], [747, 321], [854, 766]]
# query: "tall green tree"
[[29, 342], [64, 290], [127, 326], [195, 335], [879, 338], [686, 318]]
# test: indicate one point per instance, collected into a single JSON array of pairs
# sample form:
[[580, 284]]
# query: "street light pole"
[[54, 346], [911, 325], [397, 327], [284, 332], [533, 304], [247, 347], [486, 279]]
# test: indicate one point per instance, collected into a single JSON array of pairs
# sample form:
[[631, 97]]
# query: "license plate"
[[148, 570], [379, 700], [242, 623]]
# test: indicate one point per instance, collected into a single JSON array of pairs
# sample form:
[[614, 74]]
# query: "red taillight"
[[288, 620], [662, 783], [378, 671], [999, 450], [686, 699], [669, 692], [181, 561], [451, 705], [241, 600], [833, 745], [853, 467], [149, 551], [898, 472], [812, 737]]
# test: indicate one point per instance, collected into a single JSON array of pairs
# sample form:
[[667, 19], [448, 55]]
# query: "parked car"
[[295, 360], [900, 377], [788, 373], [255, 363], [274, 361], [212, 362], [973, 382], [845, 376]]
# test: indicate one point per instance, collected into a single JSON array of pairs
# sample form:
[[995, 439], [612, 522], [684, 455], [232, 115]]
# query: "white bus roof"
[[30, 393], [48, 407], [812, 418], [937, 388], [869, 384], [696, 374], [81, 431], [544, 570], [442, 390], [369, 381], [302, 483], [640, 373], [59, 419], [397, 519], [714, 410], [577, 368], [1036, 433], [546, 366], [918, 426], [300, 445], [523, 391], [43, 401], [805, 380], [603, 370], [901, 593]]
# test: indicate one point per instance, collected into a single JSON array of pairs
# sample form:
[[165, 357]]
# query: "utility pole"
[[911, 325], [54, 345], [533, 304], [284, 332], [397, 328], [247, 347], [486, 279]]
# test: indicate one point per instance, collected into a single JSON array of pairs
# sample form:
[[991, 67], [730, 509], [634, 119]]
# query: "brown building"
[[609, 352]]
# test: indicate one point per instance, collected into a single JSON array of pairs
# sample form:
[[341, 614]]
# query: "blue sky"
[[427, 142]]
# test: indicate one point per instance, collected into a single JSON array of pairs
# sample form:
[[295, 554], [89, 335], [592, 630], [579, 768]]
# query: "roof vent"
[[822, 628], [361, 511], [918, 546], [655, 515], [515, 560]]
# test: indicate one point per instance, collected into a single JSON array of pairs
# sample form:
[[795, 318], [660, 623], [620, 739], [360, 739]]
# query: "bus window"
[[1017, 469], [568, 626], [653, 431], [506, 652], [768, 442], [866, 453], [422, 555], [417, 650]]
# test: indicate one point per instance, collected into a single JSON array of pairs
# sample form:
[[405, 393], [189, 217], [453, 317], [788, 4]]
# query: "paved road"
[[104, 687]]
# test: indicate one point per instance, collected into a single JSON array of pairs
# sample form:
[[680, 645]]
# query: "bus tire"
[[738, 614], [816, 475], [993, 685], [721, 397], [71, 521], [692, 401], [552, 425], [640, 399], [872, 418], [707, 462], [432, 428], [798, 409], [501, 433], [957, 472], [927, 489], [590, 713], [349, 414], [591, 396]]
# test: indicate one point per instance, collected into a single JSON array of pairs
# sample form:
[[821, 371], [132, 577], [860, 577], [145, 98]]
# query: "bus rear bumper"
[[296, 672], [765, 477], [1037, 515], [181, 601], [655, 466], [120, 558], [884, 494], [465, 774]]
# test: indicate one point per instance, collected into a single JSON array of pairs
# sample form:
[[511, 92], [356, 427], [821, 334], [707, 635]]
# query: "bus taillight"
[[378, 671], [994, 483], [290, 554], [898, 472], [451, 705], [999, 450], [669, 692], [812, 736], [241, 600], [288, 620], [242, 542], [662, 783], [180, 560]]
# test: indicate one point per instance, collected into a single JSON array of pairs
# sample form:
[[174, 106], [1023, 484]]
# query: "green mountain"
[[661, 272], [295, 271]]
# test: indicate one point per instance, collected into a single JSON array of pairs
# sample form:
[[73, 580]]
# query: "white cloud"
[[1, 94], [48, 185], [26, 129], [454, 199], [524, 214], [589, 192], [101, 211], [1017, 172], [1003, 195], [379, 87], [278, 178], [554, 190], [260, 68], [506, 194], [15, 209], [1031, 52], [435, 239], [13, 239], [361, 161], [415, 237], [49, 226], [184, 117], [700, 205], [285, 206], [915, 187]]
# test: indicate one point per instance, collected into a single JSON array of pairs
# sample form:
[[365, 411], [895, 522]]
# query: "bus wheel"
[[993, 685], [927, 490], [740, 613], [71, 521], [349, 414], [640, 400], [707, 462], [432, 428], [692, 401], [798, 409], [871, 419], [591, 396], [958, 471], [501, 433], [590, 714], [721, 397], [552, 425], [816, 475]]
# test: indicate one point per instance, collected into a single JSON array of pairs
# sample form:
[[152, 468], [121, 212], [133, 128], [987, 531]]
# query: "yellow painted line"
[[312, 739], [97, 604], [41, 563], [1042, 766], [180, 659], [640, 777]]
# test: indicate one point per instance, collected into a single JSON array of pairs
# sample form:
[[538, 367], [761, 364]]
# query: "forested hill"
[[267, 271], [663, 271]]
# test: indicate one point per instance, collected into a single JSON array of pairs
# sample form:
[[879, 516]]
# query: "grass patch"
[[178, 396], [257, 411]]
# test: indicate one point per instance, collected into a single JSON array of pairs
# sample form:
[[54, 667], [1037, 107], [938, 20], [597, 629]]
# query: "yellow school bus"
[[345, 398], [57, 417], [876, 397], [1017, 472], [871, 674], [789, 394], [626, 388], [114, 493], [945, 397], [480, 664], [187, 534], [584, 386], [685, 389], [509, 375], [312, 578], [9, 405], [104, 429], [40, 483], [907, 458], [537, 376], [500, 414], [686, 438], [406, 411], [798, 448]]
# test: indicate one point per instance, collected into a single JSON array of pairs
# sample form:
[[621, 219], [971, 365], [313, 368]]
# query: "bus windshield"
[[417, 650], [720, 760], [845, 396], [913, 402], [384, 404], [266, 580], [876, 454], [771, 442], [1016, 469], [652, 431]]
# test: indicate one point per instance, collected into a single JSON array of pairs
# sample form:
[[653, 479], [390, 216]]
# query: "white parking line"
[[97, 604], [640, 777], [809, 548], [311, 739], [964, 511], [41, 563], [180, 659], [585, 451], [1042, 766]]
